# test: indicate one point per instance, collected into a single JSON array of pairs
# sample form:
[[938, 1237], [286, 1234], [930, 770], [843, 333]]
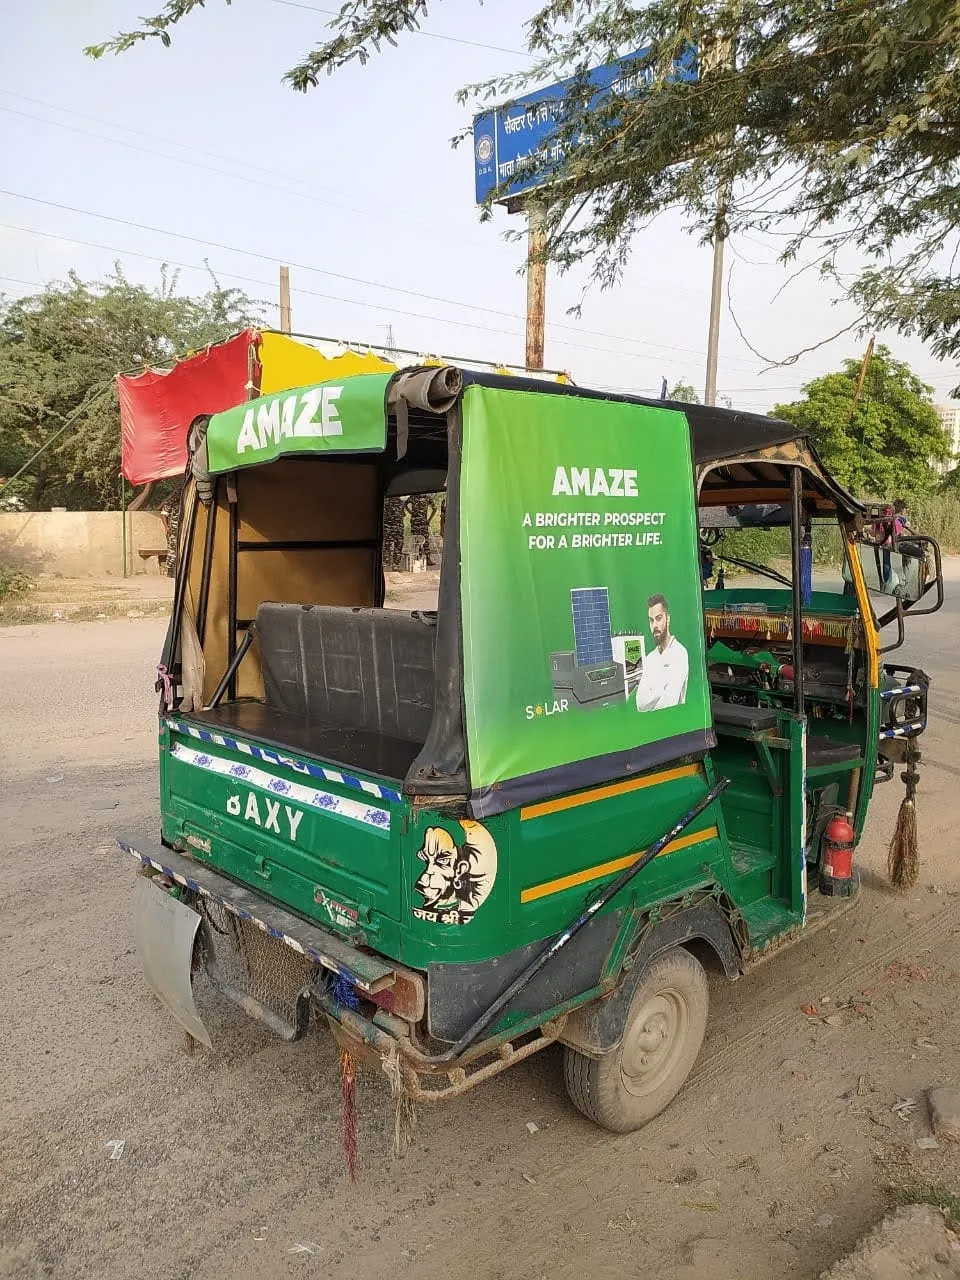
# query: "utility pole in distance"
[[534, 211], [716, 299], [536, 284], [286, 322], [718, 53]]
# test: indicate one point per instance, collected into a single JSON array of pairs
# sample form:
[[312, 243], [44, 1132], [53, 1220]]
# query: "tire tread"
[[593, 1084]]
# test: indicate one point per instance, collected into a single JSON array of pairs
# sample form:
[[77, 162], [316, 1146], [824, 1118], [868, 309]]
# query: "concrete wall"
[[80, 544]]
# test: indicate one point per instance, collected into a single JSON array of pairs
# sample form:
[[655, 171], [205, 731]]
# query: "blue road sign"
[[510, 142]]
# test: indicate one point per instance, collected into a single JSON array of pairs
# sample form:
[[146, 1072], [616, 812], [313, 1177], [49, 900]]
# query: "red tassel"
[[349, 1112]]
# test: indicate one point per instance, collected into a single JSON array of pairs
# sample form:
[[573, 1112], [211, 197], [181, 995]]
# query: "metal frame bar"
[[309, 544], [232, 595], [229, 677], [765, 756], [184, 553], [796, 534]]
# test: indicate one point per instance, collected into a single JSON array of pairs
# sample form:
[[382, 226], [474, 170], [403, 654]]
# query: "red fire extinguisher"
[[836, 877]]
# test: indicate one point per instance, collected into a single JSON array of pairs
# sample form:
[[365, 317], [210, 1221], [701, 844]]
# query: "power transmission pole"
[[719, 54], [536, 285], [716, 299], [286, 323]]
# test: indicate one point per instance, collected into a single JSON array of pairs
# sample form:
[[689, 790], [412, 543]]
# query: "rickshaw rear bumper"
[[418, 1075], [174, 940]]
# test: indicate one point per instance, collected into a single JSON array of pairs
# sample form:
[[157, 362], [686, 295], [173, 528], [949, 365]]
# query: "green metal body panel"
[[371, 874], [360, 880], [364, 880]]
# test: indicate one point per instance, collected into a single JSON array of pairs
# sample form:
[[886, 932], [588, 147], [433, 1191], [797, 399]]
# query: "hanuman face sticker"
[[457, 878]]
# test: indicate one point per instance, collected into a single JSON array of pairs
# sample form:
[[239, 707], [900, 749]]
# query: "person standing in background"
[[170, 515], [901, 521], [421, 509]]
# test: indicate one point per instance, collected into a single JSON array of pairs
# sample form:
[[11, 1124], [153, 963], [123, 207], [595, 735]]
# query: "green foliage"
[[683, 392], [361, 25], [886, 447], [153, 28], [59, 353], [939, 516], [14, 582], [771, 548], [836, 122], [933, 1193]]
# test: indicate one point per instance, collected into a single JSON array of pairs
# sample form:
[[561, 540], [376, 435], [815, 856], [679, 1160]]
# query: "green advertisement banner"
[[343, 416], [580, 585]]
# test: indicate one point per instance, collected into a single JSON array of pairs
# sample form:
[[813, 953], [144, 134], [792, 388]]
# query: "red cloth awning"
[[157, 407]]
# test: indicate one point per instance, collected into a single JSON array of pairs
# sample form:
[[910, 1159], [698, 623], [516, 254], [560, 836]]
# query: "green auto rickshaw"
[[534, 813]]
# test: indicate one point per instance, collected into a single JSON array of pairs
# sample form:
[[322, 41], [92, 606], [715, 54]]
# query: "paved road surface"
[[772, 1162]]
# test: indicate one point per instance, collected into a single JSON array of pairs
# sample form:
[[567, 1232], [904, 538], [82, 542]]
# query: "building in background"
[[949, 415]]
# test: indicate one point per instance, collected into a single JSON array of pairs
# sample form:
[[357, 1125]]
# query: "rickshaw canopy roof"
[[738, 457]]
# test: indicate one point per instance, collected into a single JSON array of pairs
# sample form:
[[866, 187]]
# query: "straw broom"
[[903, 856]]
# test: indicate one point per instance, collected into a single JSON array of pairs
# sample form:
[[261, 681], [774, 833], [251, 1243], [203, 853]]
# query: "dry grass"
[[928, 1177], [50, 598]]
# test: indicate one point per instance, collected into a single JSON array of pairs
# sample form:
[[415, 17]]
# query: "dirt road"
[[772, 1162]]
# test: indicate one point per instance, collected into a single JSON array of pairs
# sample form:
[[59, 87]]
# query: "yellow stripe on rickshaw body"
[[871, 637], [550, 887], [605, 793]]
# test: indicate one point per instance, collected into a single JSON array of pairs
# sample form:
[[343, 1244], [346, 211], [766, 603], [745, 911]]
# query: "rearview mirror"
[[901, 573]]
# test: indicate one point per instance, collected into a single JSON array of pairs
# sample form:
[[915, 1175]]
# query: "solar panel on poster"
[[591, 625]]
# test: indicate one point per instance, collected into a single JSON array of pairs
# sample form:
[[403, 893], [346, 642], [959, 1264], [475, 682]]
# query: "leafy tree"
[[59, 353], [683, 392], [888, 444], [838, 122]]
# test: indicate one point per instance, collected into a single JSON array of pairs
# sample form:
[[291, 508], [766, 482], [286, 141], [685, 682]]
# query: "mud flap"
[[166, 931]]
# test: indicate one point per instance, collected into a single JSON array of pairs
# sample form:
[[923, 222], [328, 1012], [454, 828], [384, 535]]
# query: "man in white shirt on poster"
[[663, 682]]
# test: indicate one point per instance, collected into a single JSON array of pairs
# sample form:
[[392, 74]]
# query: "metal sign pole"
[[123, 521], [516, 151], [536, 284]]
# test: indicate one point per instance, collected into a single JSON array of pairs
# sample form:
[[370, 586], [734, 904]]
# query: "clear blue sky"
[[354, 179]]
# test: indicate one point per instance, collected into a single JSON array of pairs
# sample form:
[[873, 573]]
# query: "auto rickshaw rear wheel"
[[662, 1033]]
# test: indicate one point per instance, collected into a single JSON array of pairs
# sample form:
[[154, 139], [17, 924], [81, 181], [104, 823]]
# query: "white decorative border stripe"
[[311, 769], [323, 801], [312, 953]]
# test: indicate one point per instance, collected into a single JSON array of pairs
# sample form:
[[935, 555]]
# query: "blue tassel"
[[806, 569], [344, 993]]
